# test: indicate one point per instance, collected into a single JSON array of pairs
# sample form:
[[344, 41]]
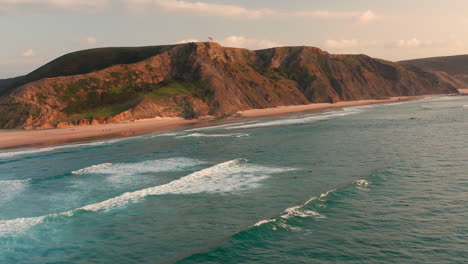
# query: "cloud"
[[413, 43], [187, 41], [242, 42], [239, 12], [341, 44], [364, 17], [209, 9], [248, 43], [27, 7], [91, 40], [367, 16], [28, 53], [200, 8]]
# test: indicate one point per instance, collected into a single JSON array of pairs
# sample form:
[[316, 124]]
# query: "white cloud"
[[209, 9], [341, 44], [367, 16], [200, 8], [236, 11], [91, 40], [248, 43], [26, 7], [28, 53], [364, 17], [187, 41], [241, 42], [413, 43]]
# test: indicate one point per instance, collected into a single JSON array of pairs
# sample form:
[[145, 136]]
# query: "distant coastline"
[[11, 139]]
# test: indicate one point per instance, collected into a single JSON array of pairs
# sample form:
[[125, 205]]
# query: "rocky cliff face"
[[197, 79]]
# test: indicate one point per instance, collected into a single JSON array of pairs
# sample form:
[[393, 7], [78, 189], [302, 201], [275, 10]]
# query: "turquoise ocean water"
[[373, 184]]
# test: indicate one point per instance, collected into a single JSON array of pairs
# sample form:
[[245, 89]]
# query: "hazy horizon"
[[38, 31]]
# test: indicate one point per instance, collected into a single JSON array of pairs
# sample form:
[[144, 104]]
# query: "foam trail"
[[237, 135], [8, 189], [442, 98], [440, 106], [295, 121], [295, 211], [171, 164], [229, 176], [16, 226], [124, 173], [11, 154], [166, 135], [217, 127]]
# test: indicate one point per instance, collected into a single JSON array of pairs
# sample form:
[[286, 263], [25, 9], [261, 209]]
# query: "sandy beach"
[[34, 138]]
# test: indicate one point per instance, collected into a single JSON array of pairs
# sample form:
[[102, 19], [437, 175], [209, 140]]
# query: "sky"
[[35, 32]]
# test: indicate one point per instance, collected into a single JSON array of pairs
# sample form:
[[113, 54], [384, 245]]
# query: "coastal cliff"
[[198, 79], [452, 69]]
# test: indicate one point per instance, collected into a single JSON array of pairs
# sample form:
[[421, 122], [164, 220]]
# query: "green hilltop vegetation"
[[82, 62]]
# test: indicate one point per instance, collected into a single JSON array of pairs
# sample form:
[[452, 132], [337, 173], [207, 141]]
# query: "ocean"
[[385, 183]]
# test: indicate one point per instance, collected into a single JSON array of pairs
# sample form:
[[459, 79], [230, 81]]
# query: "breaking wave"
[[230, 176], [300, 120], [12, 154], [217, 127], [171, 164], [237, 135], [305, 210]]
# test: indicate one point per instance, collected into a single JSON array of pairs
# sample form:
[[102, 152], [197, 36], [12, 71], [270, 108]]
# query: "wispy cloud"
[[413, 43], [28, 53], [367, 16], [240, 12], [90, 40], [341, 44], [26, 7], [209, 9], [242, 42], [199, 8]]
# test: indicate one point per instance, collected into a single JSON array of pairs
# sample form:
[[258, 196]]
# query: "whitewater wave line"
[[300, 211], [225, 177], [302, 120], [159, 165], [237, 135], [11, 154]]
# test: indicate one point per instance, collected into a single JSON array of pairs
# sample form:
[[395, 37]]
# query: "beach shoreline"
[[14, 139]]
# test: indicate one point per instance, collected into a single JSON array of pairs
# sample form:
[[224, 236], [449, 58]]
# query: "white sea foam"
[[217, 127], [165, 135], [442, 98], [237, 135], [296, 121], [262, 222], [362, 184], [11, 154], [9, 189], [298, 211], [93, 169], [171, 164], [441, 106], [234, 175], [19, 225], [119, 173]]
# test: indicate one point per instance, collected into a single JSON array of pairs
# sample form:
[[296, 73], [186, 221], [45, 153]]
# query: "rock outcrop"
[[197, 79]]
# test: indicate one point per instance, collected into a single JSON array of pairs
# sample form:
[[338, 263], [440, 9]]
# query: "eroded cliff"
[[197, 79]]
